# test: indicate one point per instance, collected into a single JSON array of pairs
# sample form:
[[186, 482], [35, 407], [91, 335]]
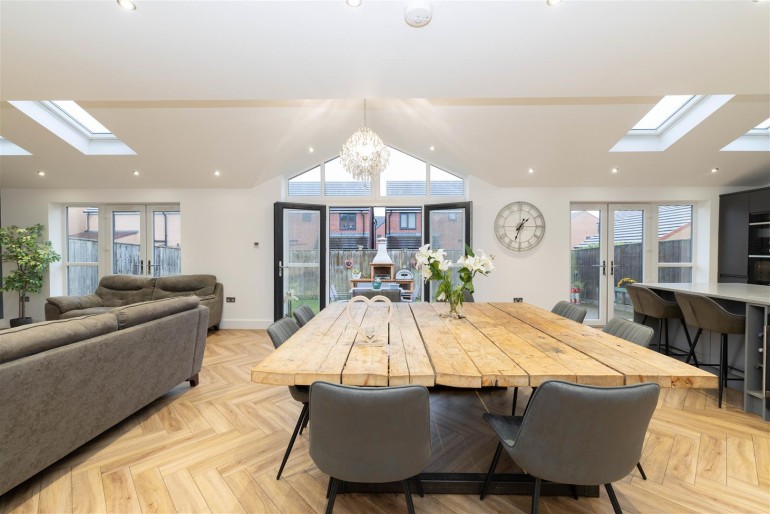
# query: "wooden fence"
[[126, 261], [586, 271]]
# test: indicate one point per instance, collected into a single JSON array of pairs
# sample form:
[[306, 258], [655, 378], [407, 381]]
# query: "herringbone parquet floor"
[[216, 448]]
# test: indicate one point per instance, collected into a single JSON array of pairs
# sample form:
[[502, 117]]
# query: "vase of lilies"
[[434, 266]]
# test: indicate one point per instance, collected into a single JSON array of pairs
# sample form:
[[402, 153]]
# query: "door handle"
[[280, 268], [603, 266]]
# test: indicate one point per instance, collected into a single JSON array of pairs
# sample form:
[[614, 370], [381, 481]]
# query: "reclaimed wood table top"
[[495, 344]]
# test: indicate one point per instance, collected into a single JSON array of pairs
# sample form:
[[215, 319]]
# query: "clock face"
[[520, 226]]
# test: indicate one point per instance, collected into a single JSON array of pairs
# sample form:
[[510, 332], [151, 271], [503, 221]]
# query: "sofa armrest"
[[58, 305], [215, 303]]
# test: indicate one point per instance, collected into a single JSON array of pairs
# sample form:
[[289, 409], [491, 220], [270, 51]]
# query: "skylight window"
[[762, 129], [9, 148], [664, 112], [79, 115]]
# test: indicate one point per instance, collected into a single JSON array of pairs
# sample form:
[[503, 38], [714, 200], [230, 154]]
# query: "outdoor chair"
[[279, 333], [370, 434], [576, 434]]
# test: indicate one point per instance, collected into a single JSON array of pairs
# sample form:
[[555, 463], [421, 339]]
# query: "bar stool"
[[649, 304], [706, 314]]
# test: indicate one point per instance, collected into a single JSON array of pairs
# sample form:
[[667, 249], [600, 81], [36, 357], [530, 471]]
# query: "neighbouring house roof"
[[629, 224]]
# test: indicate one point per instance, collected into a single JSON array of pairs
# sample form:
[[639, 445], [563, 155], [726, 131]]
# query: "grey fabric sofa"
[[64, 382], [120, 290]]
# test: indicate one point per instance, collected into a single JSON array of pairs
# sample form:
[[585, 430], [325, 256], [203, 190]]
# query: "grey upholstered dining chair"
[[576, 434], [706, 314], [467, 296], [370, 434], [570, 311], [651, 305], [630, 331], [279, 332], [394, 295], [303, 314]]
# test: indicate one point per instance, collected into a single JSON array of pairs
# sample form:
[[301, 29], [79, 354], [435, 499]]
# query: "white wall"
[[219, 227]]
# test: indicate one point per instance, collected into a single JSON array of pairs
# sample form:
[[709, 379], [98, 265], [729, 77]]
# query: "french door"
[[145, 240], [608, 250], [300, 257], [447, 226]]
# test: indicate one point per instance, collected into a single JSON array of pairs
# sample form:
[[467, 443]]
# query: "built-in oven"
[[759, 248]]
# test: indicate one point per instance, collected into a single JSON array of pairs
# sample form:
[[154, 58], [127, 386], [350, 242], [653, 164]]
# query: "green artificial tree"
[[25, 248]]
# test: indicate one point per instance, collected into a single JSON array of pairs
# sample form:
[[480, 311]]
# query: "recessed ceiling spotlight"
[[41, 173], [311, 149], [135, 173], [432, 148], [128, 5], [353, 3], [531, 171], [614, 170], [217, 173], [714, 170], [553, 2]]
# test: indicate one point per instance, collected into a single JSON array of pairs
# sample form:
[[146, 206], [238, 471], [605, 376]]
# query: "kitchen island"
[[748, 356]]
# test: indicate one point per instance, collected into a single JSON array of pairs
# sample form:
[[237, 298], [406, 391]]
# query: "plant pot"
[[356, 276], [17, 322]]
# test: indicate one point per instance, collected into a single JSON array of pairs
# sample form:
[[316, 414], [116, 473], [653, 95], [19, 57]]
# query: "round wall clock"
[[520, 226]]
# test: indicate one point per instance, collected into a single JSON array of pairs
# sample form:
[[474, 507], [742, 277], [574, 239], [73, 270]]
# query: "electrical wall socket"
[[26, 298], [230, 299], [518, 300]]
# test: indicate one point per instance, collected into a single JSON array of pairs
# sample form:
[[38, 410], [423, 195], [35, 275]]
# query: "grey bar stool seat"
[[651, 305], [279, 333], [370, 434], [706, 314]]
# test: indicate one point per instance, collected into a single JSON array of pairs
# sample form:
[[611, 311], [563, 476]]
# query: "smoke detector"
[[418, 14]]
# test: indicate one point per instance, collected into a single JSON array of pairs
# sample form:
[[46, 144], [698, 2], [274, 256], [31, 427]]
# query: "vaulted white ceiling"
[[496, 87]]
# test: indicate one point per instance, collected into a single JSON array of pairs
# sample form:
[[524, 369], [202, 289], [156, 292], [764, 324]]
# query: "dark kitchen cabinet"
[[733, 237], [759, 200]]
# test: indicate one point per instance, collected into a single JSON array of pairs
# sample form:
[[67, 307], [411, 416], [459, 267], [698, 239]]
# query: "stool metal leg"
[[692, 348], [665, 325], [722, 367], [689, 341]]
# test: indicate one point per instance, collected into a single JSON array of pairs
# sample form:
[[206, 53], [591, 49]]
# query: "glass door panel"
[[588, 262], [627, 258], [447, 226], [127, 258], [300, 257], [166, 227]]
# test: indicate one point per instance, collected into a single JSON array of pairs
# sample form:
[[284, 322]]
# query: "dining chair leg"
[[408, 495], [692, 348], [305, 422], [293, 438], [515, 399], [689, 341], [418, 482], [613, 499], [575, 492], [641, 470], [492, 467], [332, 495], [535, 496], [329, 488]]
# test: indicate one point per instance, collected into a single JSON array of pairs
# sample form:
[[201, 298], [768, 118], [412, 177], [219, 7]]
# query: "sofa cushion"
[[86, 312], [139, 313], [38, 337], [181, 285], [69, 303], [119, 290]]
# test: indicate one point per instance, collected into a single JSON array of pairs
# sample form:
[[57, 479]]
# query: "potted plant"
[[32, 256], [356, 273]]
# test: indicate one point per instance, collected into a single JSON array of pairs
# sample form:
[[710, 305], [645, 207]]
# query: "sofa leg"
[[214, 328], [194, 380]]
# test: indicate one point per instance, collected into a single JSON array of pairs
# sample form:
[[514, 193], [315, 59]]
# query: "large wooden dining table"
[[495, 344]]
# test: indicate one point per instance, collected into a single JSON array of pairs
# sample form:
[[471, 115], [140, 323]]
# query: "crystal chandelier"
[[364, 155]]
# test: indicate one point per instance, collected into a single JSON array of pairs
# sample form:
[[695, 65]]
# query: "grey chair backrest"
[[648, 302], [394, 295], [570, 311], [703, 312], [303, 314], [468, 296], [630, 331], [584, 435], [282, 330], [370, 434]]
